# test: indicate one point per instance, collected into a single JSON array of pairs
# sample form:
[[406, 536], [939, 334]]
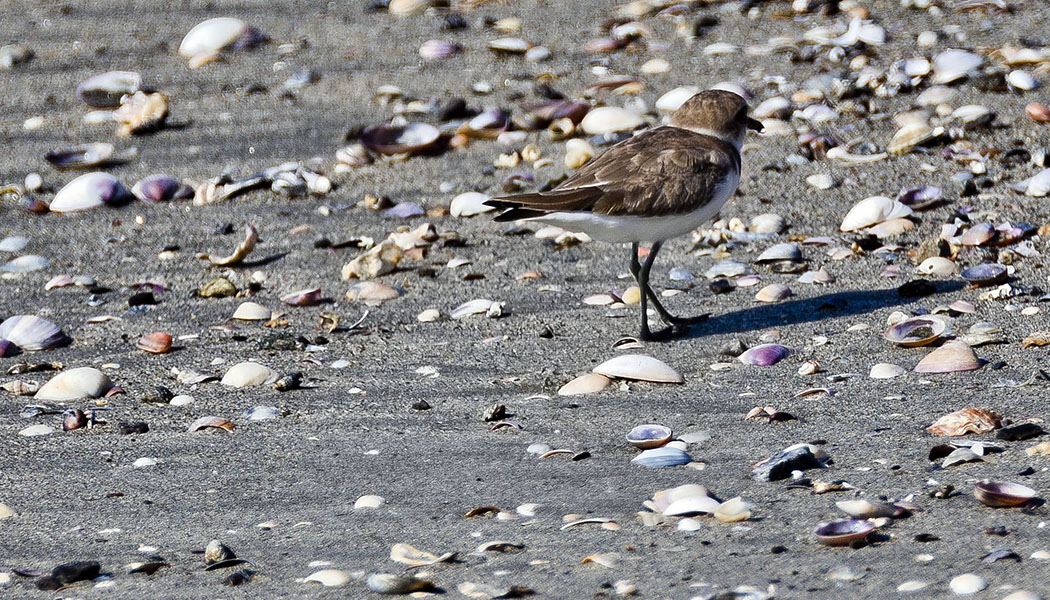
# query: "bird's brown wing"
[[664, 171]]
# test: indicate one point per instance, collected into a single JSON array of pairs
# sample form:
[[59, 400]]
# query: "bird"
[[657, 185]]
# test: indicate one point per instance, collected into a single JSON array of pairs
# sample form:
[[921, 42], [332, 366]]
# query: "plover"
[[657, 185]]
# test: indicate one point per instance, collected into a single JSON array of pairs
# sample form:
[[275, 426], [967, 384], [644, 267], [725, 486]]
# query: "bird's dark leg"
[[641, 275], [643, 282]]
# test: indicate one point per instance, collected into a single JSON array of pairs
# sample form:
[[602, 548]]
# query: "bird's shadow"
[[808, 310]]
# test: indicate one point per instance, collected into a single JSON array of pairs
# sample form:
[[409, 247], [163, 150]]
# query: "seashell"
[[216, 553], [210, 37], [392, 140], [785, 251], [776, 107], [328, 578], [666, 456], [577, 153], [767, 223], [1021, 80], [821, 181], [818, 113], [664, 498], [588, 383], [247, 374], [81, 157], [159, 188], [1000, 494], [407, 8], [261, 413], [952, 65], [648, 436], [354, 155], [307, 297], [141, 113], [911, 135], [865, 509], [74, 384], [106, 89], [251, 311], [251, 236], [726, 268], [33, 333], [954, 356], [973, 115], [936, 265], [210, 423], [916, 331], [1039, 186], [473, 307], [978, 235], [872, 211], [655, 66], [469, 204], [537, 54], [886, 371], [985, 274], [638, 367], [157, 342], [967, 584], [89, 191], [36, 430], [674, 99], [774, 292], [25, 264], [891, 228], [764, 355], [435, 50], [921, 197], [12, 55], [13, 243], [389, 584], [542, 115], [1040, 113], [380, 260], [372, 293], [733, 510], [610, 119], [509, 46], [8, 348], [818, 277], [843, 532], [916, 67], [698, 504], [843, 156]]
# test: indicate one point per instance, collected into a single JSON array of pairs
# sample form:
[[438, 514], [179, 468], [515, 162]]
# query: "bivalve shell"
[[886, 371], [215, 35], [697, 504], [610, 119], [1002, 494], [638, 367], [937, 266], [306, 297], [954, 356], [1021, 80], [106, 89], [967, 584], [843, 532], [872, 211], [389, 584], [32, 333], [469, 204], [952, 65], [91, 190], [247, 374], [160, 188], [985, 274], [588, 383], [666, 456], [786, 251], [916, 331], [157, 342], [674, 99], [83, 156], [251, 311], [764, 355], [774, 292], [1039, 186], [329, 578], [649, 436], [393, 140], [74, 384]]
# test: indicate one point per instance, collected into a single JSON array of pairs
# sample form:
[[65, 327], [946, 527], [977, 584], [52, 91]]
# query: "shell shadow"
[[817, 308]]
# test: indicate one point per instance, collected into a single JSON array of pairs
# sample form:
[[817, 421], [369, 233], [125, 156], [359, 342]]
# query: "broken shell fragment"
[[32, 333], [380, 260], [389, 584], [764, 355], [210, 423], [1002, 494], [394, 140], [843, 532], [954, 356], [106, 89], [160, 188], [251, 236], [638, 367], [247, 374], [141, 113], [74, 384], [649, 436], [966, 420], [916, 331], [216, 552]]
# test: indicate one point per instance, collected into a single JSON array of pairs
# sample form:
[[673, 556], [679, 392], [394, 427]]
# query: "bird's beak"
[[754, 124]]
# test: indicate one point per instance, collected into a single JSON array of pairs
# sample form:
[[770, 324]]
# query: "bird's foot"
[[686, 322]]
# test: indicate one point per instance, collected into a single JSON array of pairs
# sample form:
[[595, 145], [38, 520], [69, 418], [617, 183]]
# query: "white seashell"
[[818, 277], [821, 181], [36, 430], [655, 66], [577, 153], [912, 585], [509, 45], [872, 211], [726, 268], [784, 251], [369, 501], [972, 113], [469, 204], [429, 315], [372, 293], [144, 462], [247, 374], [1022, 595], [658, 458], [1021, 80], [105, 89], [891, 228], [251, 311], [587, 383], [776, 107], [13, 243], [841, 155], [937, 265], [774, 292], [672, 100], [90, 190], [211, 36], [767, 223], [954, 356], [720, 48], [688, 524], [638, 367], [861, 30], [967, 584], [916, 67], [537, 54], [74, 384], [32, 333], [818, 113], [329, 578], [886, 371], [692, 505], [610, 119], [1039, 186], [952, 65], [733, 510], [25, 264], [473, 307]]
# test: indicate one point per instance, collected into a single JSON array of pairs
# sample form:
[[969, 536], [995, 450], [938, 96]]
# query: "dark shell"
[[392, 140], [158, 188], [488, 124], [843, 532], [540, 116], [249, 38], [80, 157], [984, 274], [922, 197], [8, 348]]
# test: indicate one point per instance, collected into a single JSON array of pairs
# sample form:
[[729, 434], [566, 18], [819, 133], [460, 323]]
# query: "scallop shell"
[[106, 89], [1002, 494], [74, 384], [392, 140], [32, 333], [248, 374], [638, 367], [916, 331], [952, 357], [843, 532], [610, 119], [91, 190], [872, 211], [649, 436]]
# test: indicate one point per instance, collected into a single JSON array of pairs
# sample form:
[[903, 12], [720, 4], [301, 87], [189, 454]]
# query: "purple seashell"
[[844, 532], [649, 436], [248, 39], [307, 297], [405, 210], [984, 274], [764, 355], [158, 188], [8, 348], [920, 197], [30, 332], [434, 50]]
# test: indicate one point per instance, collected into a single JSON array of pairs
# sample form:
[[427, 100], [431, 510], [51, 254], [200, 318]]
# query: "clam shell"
[[251, 311], [1040, 113], [774, 292], [936, 265], [649, 436], [329, 578], [159, 188], [373, 293], [952, 65], [90, 190], [509, 46], [74, 384], [674, 99], [886, 371], [785, 251], [985, 274], [32, 333], [692, 505], [469, 204], [157, 342], [610, 119], [25, 264], [13, 243], [435, 50], [1002, 494], [978, 235], [843, 532], [776, 107], [967, 584], [818, 277], [664, 498], [391, 140], [733, 510], [921, 197], [306, 297], [666, 456], [952, 357], [872, 211], [221, 33], [916, 331], [866, 509], [638, 367], [386, 583], [764, 355], [472, 307], [83, 156], [588, 383], [106, 89], [1039, 186], [210, 422], [1021, 80], [247, 374]]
